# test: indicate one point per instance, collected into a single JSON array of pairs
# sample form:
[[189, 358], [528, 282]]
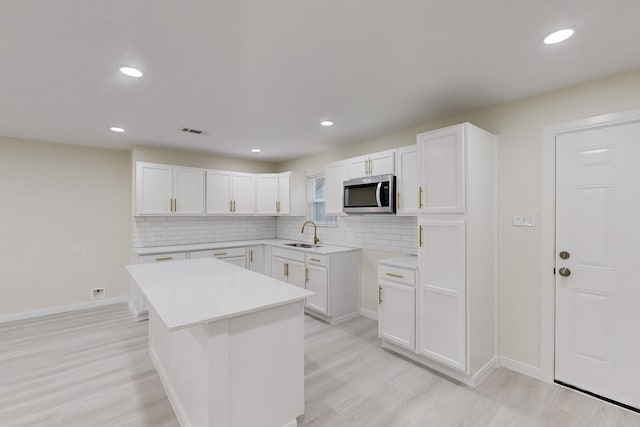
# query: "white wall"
[[519, 125], [55, 198]]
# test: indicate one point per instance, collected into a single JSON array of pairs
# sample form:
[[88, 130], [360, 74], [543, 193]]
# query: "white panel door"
[[442, 163], [284, 193], [154, 189], [244, 193], [382, 163], [188, 191], [334, 178], [266, 194], [407, 181], [597, 290], [318, 282], [442, 293], [218, 192], [396, 314], [296, 273]]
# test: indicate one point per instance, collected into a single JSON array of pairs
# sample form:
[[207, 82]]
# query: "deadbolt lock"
[[564, 272], [565, 255]]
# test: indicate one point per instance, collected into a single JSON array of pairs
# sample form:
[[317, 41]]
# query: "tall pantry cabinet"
[[457, 216]]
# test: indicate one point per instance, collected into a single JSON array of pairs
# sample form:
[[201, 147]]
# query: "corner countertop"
[[406, 261], [322, 249], [198, 291]]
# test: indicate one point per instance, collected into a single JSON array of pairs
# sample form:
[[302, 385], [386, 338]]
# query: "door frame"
[[548, 228]]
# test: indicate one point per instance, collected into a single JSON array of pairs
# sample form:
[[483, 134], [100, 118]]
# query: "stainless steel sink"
[[302, 245]]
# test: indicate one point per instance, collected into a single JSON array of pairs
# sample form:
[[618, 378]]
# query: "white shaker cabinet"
[[407, 178], [168, 190], [334, 177], [396, 302], [230, 193], [256, 257], [317, 282], [381, 163], [288, 266], [236, 256], [281, 194]]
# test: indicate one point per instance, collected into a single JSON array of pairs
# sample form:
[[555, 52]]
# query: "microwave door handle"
[[378, 194]]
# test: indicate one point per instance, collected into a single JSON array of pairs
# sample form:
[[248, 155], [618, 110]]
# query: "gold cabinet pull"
[[230, 205], [314, 259], [234, 206], [419, 197], [220, 254], [250, 255], [398, 200], [399, 276], [420, 236], [306, 275], [286, 269], [379, 295], [175, 205], [169, 258]]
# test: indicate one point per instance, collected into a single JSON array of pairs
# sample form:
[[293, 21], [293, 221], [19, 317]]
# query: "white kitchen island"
[[228, 343]]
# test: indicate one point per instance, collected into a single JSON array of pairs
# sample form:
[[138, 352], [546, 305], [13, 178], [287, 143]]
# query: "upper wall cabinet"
[[334, 177], [443, 160], [281, 194], [381, 163], [230, 193], [407, 181], [168, 190]]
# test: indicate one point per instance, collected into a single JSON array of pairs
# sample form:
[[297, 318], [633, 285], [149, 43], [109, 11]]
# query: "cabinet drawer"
[[288, 254], [397, 274], [172, 256], [318, 259], [219, 253]]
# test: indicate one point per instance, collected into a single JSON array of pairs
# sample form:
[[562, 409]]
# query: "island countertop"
[[198, 291]]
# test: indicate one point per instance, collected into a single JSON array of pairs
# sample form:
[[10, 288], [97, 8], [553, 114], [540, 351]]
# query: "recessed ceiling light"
[[116, 129], [327, 123], [255, 150], [131, 72], [558, 36]]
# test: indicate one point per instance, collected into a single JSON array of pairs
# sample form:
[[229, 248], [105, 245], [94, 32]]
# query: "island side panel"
[[267, 367]]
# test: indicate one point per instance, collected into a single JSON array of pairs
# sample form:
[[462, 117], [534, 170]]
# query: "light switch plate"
[[524, 219]]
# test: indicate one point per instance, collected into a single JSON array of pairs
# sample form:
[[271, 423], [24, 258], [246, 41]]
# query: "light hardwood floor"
[[91, 368]]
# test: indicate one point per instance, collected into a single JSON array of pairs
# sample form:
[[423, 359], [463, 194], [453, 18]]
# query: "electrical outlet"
[[76, 252], [524, 219], [97, 293]]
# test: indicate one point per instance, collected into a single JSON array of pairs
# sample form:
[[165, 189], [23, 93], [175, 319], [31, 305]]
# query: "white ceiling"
[[255, 73]]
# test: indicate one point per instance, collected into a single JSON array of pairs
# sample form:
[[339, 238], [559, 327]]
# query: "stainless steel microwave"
[[370, 195]]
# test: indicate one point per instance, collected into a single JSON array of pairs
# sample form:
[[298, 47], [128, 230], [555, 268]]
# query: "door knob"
[[564, 272], [564, 255]]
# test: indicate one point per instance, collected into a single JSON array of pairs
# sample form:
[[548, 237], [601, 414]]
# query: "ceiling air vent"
[[196, 131]]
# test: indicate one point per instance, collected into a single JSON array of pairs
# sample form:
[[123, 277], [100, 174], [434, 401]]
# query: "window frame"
[[311, 200]]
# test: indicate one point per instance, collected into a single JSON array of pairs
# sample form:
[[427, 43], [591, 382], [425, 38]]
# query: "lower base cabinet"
[[397, 301], [318, 283]]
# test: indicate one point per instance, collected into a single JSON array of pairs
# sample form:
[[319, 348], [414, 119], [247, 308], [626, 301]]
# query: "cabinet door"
[[266, 194], [334, 178], [396, 314], [382, 163], [296, 273], [173, 256], [244, 193], [407, 181], [154, 189], [442, 293], [218, 192], [188, 191], [357, 167], [284, 193], [442, 162], [318, 282], [256, 259], [278, 268]]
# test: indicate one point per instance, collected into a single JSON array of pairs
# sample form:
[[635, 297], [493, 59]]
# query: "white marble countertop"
[[321, 249], [406, 261], [193, 292]]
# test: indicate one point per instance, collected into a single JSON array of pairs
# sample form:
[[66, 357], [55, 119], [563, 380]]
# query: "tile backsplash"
[[174, 230], [376, 232], [388, 233]]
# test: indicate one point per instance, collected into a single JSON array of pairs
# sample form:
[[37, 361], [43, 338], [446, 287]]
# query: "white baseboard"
[[61, 309], [369, 313], [522, 368]]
